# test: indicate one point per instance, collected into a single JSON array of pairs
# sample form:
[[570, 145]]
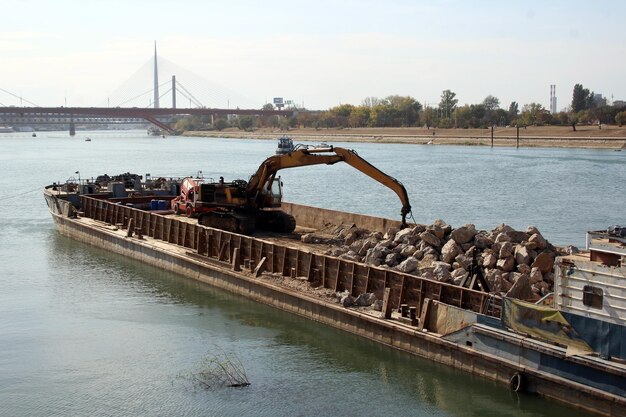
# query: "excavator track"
[[231, 222], [277, 221]]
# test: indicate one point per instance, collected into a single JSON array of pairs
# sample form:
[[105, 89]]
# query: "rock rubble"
[[515, 263]]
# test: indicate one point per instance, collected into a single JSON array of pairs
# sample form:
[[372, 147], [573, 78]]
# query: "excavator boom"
[[261, 180]]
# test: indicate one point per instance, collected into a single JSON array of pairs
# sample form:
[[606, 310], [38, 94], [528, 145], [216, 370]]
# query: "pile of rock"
[[515, 262]]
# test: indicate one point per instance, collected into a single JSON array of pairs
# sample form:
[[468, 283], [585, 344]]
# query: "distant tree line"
[[405, 111]]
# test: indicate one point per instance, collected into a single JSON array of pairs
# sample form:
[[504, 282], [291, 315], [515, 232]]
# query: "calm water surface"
[[84, 332]]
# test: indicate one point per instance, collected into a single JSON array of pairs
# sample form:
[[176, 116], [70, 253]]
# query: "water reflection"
[[283, 351]]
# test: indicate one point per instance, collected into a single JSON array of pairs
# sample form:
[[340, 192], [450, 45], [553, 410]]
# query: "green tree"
[[581, 98], [359, 117], [491, 103], [448, 103], [534, 114], [513, 110], [221, 124], [406, 110], [246, 123], [620, 118]]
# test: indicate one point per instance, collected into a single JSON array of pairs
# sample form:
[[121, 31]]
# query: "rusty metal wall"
[[321, 270]]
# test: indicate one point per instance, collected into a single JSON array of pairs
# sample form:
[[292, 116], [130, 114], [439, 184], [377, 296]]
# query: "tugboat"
[[285, 145]]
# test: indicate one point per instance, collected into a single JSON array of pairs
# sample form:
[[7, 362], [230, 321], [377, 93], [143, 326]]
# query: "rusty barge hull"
[[220, 259]]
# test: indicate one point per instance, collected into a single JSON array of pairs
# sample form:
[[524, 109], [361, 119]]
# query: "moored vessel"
[[531, 347]]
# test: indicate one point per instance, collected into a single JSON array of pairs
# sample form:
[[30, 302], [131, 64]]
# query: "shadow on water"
[[436, 387]]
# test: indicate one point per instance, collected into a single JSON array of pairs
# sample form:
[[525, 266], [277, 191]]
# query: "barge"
[[569, 347]]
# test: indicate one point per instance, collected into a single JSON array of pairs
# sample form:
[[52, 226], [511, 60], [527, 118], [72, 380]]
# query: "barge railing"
[[321, 270]]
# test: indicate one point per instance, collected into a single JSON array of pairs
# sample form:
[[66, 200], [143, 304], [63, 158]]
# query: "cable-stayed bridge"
[[141, 98]]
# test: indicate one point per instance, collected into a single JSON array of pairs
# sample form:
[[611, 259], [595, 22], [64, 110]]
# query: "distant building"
[[619, 103], [598, 100]]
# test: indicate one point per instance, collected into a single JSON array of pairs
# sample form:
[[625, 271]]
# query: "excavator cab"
[[271, 194]]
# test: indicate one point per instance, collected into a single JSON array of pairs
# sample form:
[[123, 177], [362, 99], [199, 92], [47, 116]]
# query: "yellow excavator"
[[242, 207]]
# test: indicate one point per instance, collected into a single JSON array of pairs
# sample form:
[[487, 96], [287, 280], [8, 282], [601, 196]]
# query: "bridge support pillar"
[[72, 128]]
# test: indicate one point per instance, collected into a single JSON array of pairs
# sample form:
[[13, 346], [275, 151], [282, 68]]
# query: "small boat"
[[34, 135], [87, 139], [154, 131], [285, 145]]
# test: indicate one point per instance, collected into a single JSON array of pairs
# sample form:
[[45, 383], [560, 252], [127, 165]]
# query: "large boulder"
[[521, 255], [506, 250], [407, 231], [482, 241], [392, 259], [517, 237], [407, 251], [364, 300], [489, 260], [538, 240], [544, 261], [521, 289], [408, 266], [463, 234], [502, 237], [430, 239], [458, 275], [523, 269], [506, 264], [449, 251], [375, 256]]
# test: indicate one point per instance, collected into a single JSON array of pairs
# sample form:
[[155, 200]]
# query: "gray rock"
[[364, 300], [523, 269], [521, 289], [392, 259], [351, 256], [367, 244], [489, 260], [507, 264], [539, 241], [307, 238], [549, 278], [482, 241], [377, 235], [449, 251], [409, 250], [517, 237], [463, 234], [464, 261], [378, 305], [409, 265], [535, 275], [437, 231], [391, 233], [430, 238], [427, 261], [418, 254], [431, 251], [374, 256], [347, 300], [385, 243], [402, 234], [506, 250], [399, 248], [531, 230], [502, 237], [571, 250], [544, 261], [521, 255]]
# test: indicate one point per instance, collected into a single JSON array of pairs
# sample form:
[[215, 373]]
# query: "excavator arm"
[[266, 172]]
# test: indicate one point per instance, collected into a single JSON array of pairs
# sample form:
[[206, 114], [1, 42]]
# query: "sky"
[[317, 53]]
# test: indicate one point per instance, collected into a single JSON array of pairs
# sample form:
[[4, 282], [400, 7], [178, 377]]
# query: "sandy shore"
[[609, 137]]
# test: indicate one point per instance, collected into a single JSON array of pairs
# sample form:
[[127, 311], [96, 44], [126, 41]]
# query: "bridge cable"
[[21, 98], [198, 103]]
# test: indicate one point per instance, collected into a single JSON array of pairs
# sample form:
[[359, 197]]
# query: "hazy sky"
[[319, 52]]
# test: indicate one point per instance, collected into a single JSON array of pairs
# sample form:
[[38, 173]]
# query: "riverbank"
[[609, 137]]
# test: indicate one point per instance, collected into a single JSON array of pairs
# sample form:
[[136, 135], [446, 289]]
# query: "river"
[[86, 332]]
